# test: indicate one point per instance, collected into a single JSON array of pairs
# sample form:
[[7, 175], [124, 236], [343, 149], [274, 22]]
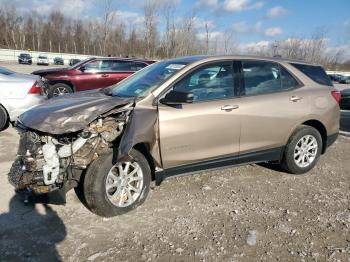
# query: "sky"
[[252, 21]]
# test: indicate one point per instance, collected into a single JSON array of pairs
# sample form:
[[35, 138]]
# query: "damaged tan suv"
[[174, 117]]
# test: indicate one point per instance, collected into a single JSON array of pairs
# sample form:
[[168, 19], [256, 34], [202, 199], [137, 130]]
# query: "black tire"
[[54, 89], [4, 120], [288, 163], [95, 195]]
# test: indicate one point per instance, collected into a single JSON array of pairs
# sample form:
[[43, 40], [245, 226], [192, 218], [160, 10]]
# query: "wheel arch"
[[67, 82], [144, 148], [321, 129]]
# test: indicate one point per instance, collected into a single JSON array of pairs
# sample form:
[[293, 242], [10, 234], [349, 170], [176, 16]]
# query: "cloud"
[[200, 23], [218, 6], [343, 50], [70, 8], [240, 5], [276, 11], [254, 46], [129, 17], [141, 3], [244, 28], [273, 31], [212, 35], [206, 3]]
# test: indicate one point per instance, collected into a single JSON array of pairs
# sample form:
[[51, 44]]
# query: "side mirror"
[[176, 97], [82, 68]]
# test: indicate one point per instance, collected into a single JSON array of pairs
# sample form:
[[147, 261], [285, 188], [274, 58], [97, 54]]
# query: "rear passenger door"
[[271, 104]]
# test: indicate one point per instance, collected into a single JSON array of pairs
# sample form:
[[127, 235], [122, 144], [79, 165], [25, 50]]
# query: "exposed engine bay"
[[47, 162], [61, 138]]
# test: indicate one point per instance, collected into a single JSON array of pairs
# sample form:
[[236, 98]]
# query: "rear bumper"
[[16, 107]]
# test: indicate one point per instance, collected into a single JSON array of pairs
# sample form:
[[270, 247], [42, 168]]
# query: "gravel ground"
[[245, 213], [249, 213]]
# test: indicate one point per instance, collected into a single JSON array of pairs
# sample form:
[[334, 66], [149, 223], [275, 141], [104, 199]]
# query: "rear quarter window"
[[316, 73]]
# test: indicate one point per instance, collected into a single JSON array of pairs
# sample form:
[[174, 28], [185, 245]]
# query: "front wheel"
[[114, 189], [302, 151]]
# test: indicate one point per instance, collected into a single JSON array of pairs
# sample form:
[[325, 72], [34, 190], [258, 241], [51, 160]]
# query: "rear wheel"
[[114, 189], [4, 120], [302, 151], [59, 89]]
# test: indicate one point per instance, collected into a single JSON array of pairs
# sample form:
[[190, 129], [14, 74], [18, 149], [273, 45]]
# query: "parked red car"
[[89, 74]]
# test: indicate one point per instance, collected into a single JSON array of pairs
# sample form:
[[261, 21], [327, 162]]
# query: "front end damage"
[[60, 138], [47, 162]]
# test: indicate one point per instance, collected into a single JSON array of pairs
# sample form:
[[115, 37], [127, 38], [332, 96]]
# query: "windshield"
[[24, 55], [5, 71], [145, 81]]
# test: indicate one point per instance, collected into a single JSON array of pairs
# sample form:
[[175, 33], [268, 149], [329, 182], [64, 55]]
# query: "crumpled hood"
[[70, 113]]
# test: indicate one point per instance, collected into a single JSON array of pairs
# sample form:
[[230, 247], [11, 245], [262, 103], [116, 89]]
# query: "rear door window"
[[118, 66], [288, 81], [316, 73], [261, 77], [112, 66]]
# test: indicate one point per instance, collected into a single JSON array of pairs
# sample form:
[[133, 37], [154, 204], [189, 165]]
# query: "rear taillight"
[[337, 96], [35, 89]]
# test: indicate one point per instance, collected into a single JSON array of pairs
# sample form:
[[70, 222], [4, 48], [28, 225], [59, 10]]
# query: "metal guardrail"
[[11, 55]]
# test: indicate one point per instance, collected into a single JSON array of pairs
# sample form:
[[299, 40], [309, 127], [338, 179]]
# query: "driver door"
[[208, 128]]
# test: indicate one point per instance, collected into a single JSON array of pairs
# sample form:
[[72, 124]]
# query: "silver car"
[[18, 93]]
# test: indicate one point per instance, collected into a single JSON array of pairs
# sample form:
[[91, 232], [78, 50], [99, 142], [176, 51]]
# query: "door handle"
[[295, 98], [229, 107], [104, 75]]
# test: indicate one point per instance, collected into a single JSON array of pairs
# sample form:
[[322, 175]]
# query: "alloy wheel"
[[61, 90], [305, 151], [124, 183]]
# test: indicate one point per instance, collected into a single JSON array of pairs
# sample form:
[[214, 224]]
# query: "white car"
[[42, 60], [18, 93]]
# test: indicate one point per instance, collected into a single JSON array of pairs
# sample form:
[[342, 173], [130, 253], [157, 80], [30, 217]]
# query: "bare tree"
[[108, 20], [178, 37], [207, 36], [150, 15], [168, 11]]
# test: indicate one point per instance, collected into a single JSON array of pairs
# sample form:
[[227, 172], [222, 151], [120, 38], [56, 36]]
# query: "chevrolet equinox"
[[174, 117]]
